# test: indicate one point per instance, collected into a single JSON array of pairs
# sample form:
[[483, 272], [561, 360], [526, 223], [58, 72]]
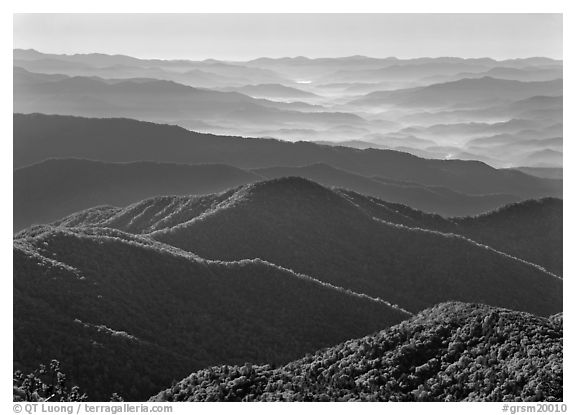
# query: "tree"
[[47, 383]]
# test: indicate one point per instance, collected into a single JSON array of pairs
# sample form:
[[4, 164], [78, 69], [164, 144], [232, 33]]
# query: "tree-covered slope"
[[54, 188], [127, 314], [531, 230], [51, 189], [306, 227], [435, 199], [451, 352]]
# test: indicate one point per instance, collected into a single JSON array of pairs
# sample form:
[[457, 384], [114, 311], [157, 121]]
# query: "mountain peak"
[[288, 183], [293, 195]]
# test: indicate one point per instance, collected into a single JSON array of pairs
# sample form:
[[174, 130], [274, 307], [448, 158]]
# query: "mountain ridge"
[[54, 188], [352, 248], [177, 311], [451, 352], [458, 92], [40, 136]]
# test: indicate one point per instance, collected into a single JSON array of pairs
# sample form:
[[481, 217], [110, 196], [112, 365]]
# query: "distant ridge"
[[463, 92], [274, 91], [37, 137], [54, 188], [547, 173], [153, 99], [346, 228], [435, 199], [77, 184], [34, 53]]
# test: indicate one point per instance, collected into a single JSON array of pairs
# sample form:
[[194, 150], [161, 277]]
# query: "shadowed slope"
[[37, 137], [530, 230], [301, 225], [452, 352], [101, 299], [55, 188], [427, 198]]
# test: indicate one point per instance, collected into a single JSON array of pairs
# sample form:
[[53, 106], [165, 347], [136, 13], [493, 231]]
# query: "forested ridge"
[[340, 240], [530, 230], [54, 188], [127, 314], [451, 352], [286, 229]]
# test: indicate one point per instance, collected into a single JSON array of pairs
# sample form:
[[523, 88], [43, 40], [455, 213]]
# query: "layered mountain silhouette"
[[451, 352], [37, 137], [367, 96], [544, 158], [466, 130], [463, 92], [407, 71], [55, 188], [525, 138], [297, 67], [518, 74], [336, 241], [536, 107], [435, 199], [128, 315], [206, 73], [274, 91], [189, 231], [545, 172], [153, 100], [52, 189]]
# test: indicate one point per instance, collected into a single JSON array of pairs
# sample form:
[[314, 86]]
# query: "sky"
[[248, 36]]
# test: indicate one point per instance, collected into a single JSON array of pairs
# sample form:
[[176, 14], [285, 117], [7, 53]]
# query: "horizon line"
[[69, 54]]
